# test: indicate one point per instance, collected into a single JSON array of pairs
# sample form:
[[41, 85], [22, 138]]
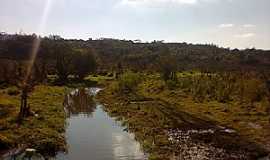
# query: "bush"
[[12, 91], [128, 82], [185, 82], [172, 84], [223, 94], [254, 90], [114, 87]]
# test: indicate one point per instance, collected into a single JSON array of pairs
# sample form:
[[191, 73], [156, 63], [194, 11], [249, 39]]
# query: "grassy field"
[[44, 131], [252, 122], [151, 108]]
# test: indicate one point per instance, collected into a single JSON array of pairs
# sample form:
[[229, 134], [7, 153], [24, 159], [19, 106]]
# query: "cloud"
[[245, 35], [164, 3], [249, 25], [226, 25], [156, 2]]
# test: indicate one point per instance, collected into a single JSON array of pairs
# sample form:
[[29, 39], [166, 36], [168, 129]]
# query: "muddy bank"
[[167, 133]]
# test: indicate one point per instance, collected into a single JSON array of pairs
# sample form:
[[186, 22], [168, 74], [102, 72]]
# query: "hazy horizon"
[[226, 23]]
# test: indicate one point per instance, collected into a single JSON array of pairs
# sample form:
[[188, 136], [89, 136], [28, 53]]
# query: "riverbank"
[[251, 121], [43, 130], [168, 123]]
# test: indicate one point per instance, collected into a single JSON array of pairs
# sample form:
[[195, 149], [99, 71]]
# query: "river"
[[92, 134]]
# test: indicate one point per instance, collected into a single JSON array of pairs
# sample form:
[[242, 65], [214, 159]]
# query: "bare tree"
[[26, 85]]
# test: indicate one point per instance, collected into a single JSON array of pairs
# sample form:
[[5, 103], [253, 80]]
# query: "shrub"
[[128, 82], [224, 89], [12, 91], [254, 90], [115, 87], [198, 88], [223, 93], [185, 82], [171, 84]]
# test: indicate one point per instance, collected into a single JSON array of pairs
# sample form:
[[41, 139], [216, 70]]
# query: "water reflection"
[[96, 136], [123, 147], [79, 101]]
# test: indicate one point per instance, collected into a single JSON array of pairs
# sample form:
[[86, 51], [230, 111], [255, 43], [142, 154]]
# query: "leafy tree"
[[63, 61], [167, 66], [118, 70], [84, 63]]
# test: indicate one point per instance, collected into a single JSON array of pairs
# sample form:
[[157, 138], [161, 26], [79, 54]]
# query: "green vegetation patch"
[[153, 106], [43, 130]]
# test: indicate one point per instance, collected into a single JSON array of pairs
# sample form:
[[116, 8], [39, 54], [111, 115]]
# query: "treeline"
[[55, 56], [64, 57], [27, 60]]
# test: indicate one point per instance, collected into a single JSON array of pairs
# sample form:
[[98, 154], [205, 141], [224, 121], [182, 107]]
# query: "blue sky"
[[227, 23]]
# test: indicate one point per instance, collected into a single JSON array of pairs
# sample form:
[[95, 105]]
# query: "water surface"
[[92, 134]]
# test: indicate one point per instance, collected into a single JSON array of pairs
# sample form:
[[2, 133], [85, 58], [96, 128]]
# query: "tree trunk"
[[23, 107]]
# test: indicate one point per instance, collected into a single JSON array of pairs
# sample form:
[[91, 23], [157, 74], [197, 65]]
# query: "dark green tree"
[[167, 66], [63, 53], [84, 63]]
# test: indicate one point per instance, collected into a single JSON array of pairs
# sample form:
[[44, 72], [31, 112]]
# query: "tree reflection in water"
[[79, 101]]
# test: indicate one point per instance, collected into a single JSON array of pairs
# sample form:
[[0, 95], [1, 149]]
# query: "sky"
[[226, 23]]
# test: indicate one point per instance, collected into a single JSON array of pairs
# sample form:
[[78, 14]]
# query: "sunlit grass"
[[252, 123], [43, 131]]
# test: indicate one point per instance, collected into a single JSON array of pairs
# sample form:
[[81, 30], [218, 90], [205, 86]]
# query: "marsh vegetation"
[[178, 100]]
